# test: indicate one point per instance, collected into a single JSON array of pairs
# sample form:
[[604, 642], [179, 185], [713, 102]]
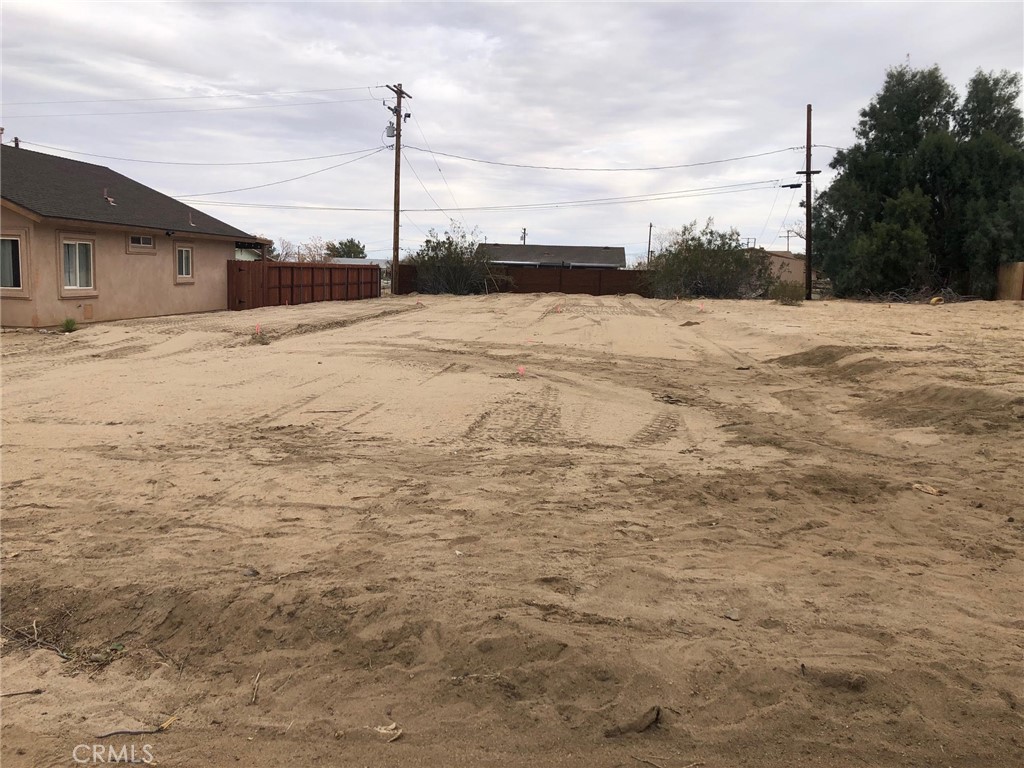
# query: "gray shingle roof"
[[59, 188], [556, 255]]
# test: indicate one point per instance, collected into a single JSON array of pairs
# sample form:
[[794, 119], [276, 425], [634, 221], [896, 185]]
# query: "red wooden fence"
[[254, 284], [595, 281]]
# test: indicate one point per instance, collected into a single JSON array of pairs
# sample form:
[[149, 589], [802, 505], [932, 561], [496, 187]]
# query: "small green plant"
[[790, 294], [69, 325]]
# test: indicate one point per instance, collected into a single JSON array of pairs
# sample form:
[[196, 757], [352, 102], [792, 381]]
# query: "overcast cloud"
[[616, 85]]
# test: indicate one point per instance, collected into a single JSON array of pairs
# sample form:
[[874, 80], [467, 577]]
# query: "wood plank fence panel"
[[595, 282], [254, 284]]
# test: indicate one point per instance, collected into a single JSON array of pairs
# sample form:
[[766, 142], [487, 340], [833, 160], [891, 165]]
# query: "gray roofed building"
[[58, 188], [82, 242], [576, 256]]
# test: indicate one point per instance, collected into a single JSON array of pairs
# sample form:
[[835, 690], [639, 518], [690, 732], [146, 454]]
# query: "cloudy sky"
[[225, 104]]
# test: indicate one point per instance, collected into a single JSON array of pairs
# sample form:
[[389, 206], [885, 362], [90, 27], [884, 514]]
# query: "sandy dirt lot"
[[512, 526]]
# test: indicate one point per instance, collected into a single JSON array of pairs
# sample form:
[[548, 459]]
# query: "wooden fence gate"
[[253, 284]]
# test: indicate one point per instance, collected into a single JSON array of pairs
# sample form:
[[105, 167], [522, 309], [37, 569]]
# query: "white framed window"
[[78, 264], [184, 259], [141, 243], [10, 263]]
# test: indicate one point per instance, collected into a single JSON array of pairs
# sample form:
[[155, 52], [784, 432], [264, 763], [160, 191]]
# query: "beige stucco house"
[[789, 267], [82, 241]]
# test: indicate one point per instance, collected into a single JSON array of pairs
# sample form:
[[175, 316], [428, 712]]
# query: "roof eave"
[[143, 228], [26, 212]]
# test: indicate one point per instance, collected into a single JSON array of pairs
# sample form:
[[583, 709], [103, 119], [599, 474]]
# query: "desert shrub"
[[453, 263], [708, 263], [69, 325], [790, 294]]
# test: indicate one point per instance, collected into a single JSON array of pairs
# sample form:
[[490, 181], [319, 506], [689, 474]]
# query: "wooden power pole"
[[808, 173], [399, 119]]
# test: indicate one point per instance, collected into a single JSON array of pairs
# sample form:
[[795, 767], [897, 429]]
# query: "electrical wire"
[[187, 98], [645, 198], [438, 166], [570, 168], [413, 169], [170, 162], [785, 216], [771, 210], [749, 186], [189, 111], [409, 219], [284, 181]]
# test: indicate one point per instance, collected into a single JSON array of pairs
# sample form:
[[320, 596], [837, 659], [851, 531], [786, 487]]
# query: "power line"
[[171, 162], [188, 111], [645, 198], [413, 169], [186, 98], [406, 214], [569, 168], [437, 165], [789, 207], [749, 186], [284, 181], [771, 210]]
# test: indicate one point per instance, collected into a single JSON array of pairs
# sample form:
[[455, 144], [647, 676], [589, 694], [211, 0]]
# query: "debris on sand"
[[928, 489], [393, 732], [670, 399], [647, 720]]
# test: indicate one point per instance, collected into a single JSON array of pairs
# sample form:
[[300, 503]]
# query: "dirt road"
[[510, 527]]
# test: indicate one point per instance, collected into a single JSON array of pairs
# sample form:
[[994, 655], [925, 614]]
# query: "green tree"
[[708, 262], [346, 249], [924, 199], [992, 104]]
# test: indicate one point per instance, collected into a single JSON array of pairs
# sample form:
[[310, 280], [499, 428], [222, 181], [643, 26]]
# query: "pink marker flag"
[[522, 370]]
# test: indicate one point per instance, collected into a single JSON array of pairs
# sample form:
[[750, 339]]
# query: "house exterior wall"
[[789, 270], [1011, 281], [127, 281]]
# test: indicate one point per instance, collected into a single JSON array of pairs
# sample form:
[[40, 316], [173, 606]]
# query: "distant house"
[[82, 241], [572, 256], [789, 267], [352, 262], [247, 254]]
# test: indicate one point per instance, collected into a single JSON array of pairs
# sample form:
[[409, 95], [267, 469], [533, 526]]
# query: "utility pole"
[[808, 173], [399, 119], [650, 229], [524, 236]]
